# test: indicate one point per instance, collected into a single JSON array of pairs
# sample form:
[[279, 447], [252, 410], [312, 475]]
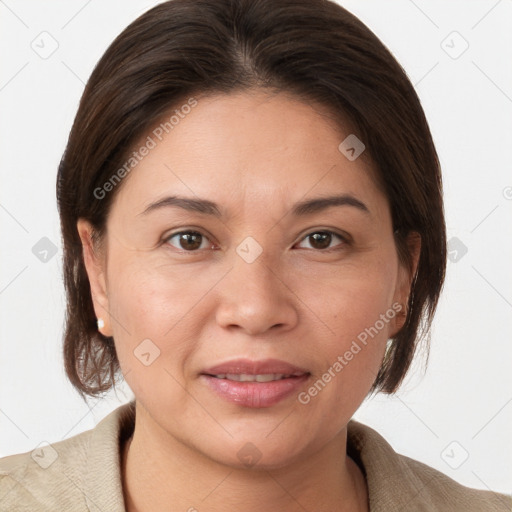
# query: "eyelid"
[[167, 237], [345, 238]]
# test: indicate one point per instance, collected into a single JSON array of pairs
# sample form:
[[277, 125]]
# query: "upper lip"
[[246, 366]]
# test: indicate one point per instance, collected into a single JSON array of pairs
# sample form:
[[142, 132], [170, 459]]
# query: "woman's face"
[[250, 319]]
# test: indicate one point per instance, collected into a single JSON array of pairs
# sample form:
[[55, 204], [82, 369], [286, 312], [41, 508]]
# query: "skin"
[[255, 155]]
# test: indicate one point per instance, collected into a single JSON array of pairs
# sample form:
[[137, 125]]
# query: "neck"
[[155, 476]]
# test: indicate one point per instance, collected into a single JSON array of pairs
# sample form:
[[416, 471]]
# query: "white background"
[[465, 395]]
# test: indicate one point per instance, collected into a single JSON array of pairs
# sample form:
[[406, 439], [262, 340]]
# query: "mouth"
[[262, 377], [255, 384]]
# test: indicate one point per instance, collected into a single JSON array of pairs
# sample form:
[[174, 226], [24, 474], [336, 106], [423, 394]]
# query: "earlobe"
[[95, 267]]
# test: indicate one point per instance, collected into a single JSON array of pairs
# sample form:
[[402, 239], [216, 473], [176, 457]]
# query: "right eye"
[[189, 241]]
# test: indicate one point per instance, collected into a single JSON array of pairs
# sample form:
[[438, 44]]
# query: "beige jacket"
[[82, 473]]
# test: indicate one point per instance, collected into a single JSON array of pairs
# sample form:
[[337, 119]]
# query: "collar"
[[102, 472]]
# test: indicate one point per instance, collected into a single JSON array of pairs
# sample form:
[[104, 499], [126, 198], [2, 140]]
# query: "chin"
[[258, 452]]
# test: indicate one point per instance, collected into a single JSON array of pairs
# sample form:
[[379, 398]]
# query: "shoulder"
[[439, 489], [396, 481], [69, 474], [48, 476]]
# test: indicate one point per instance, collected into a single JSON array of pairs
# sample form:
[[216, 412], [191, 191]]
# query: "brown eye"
[[321, 239], [188, 240]]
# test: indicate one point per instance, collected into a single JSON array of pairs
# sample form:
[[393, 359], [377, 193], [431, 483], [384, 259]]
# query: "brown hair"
[[312, 48]]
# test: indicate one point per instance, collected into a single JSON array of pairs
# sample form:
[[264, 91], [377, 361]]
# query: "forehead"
[[251, 148]]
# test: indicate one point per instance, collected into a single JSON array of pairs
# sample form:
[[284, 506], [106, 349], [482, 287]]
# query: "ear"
[[95, 265], [405, 279]]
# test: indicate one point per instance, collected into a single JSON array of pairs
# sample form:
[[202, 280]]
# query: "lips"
[[254, 383], [248, 367], [246, 377]]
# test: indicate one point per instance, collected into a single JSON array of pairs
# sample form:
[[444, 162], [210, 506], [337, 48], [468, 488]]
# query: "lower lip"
[[255, 394]]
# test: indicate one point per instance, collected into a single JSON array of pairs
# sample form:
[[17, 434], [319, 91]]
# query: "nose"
[[255, 299]]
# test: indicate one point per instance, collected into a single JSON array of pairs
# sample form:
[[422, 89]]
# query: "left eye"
[[321, 239], [189, 241]]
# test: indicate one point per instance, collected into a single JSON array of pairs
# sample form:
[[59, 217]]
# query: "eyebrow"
[[306, 207]]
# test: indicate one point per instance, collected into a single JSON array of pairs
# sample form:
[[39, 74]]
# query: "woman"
[[254, 237]]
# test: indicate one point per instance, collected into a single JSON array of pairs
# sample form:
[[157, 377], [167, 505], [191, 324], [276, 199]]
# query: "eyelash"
[[345, 240]]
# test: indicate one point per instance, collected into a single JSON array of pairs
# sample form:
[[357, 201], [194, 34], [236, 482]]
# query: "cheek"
[[149, 302], [152, 345], [351, 298], [355, 314]]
